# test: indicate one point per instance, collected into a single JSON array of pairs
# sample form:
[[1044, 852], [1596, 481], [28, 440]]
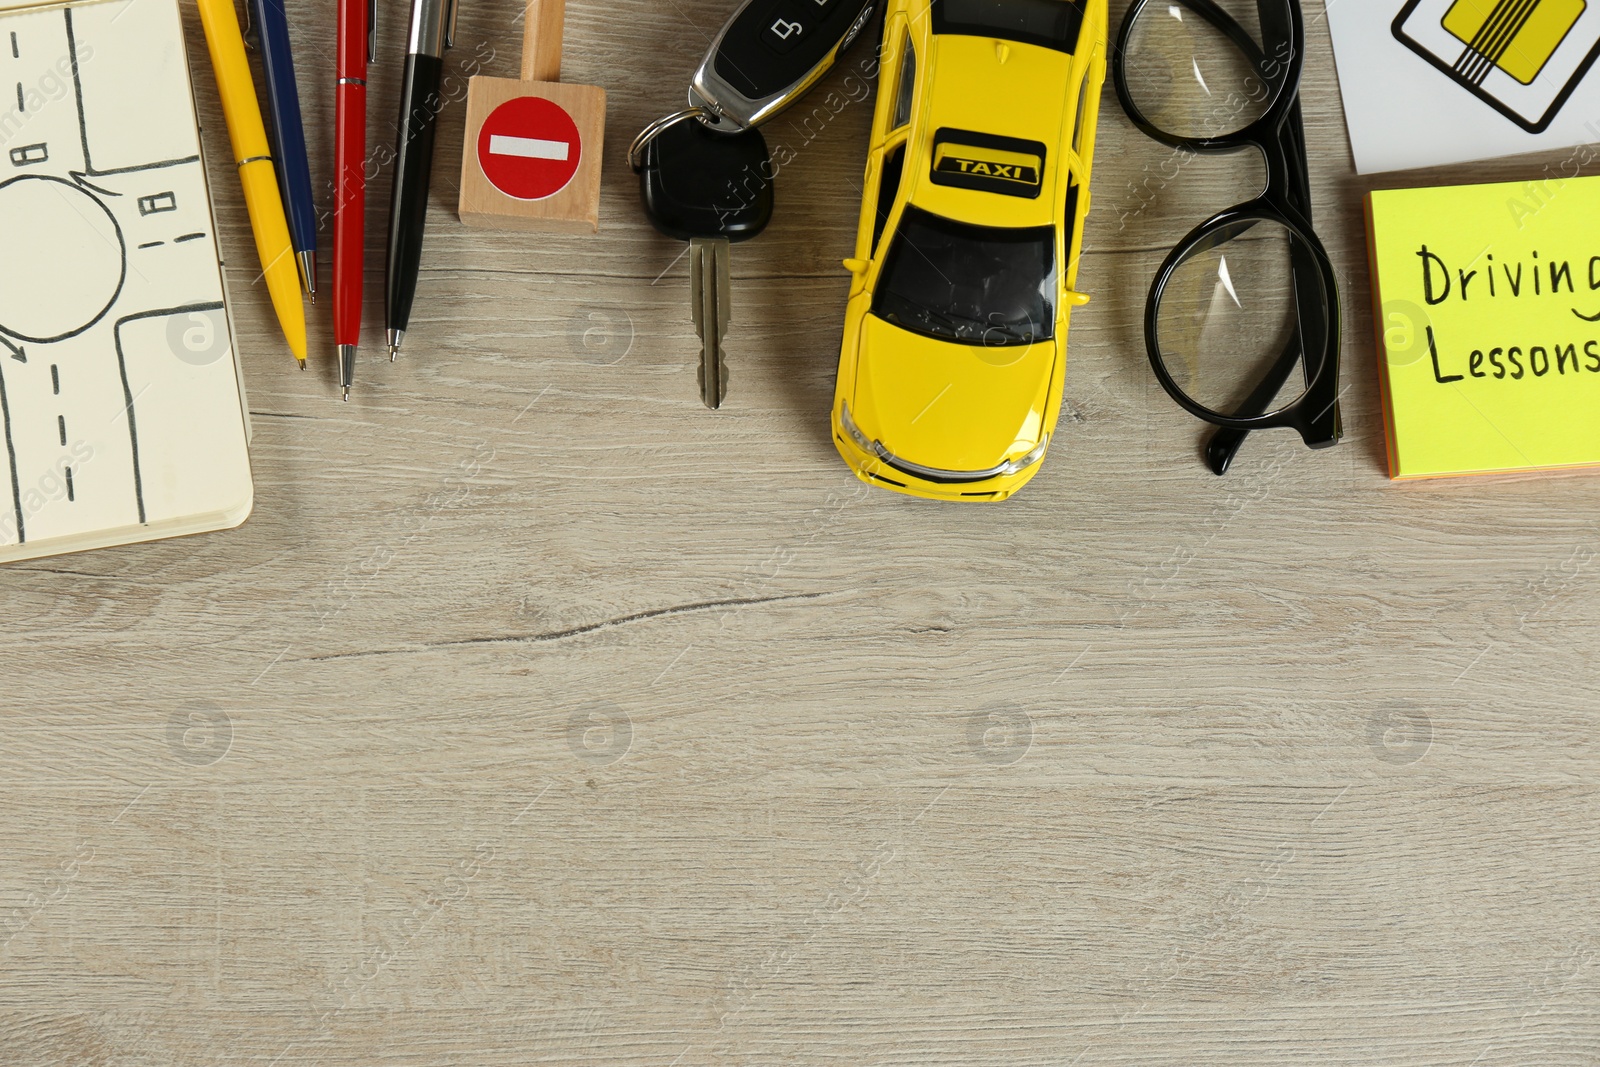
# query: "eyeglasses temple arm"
[[1224, 444], [1309, 316], [1292, 143], [1322, 427], [1229, 27]]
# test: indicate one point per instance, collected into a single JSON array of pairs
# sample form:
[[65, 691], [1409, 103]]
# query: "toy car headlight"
[[1034, 456], [854, 431]]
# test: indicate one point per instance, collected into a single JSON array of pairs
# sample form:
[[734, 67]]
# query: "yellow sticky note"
[[1487, 307]]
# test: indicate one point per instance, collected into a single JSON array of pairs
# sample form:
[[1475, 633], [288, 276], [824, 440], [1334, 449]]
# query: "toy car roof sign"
[[988, 163]]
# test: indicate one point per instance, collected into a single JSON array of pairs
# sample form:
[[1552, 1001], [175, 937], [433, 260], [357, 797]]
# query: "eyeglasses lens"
[[1230, 319], [1194, 76]]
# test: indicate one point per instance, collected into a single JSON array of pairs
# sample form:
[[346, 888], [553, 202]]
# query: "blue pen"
[[288, 138]]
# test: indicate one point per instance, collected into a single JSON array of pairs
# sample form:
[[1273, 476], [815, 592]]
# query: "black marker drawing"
[[149, 205], [21, 531]]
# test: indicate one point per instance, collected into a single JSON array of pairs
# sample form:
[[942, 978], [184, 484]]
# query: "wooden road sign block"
[[532, 155]]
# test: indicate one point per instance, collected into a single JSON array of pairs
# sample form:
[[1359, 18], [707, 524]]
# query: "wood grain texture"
[[543, 27], [539, 716]]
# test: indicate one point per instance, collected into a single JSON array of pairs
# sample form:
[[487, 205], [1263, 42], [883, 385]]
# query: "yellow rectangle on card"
[[1519, 36], [1487, 307]]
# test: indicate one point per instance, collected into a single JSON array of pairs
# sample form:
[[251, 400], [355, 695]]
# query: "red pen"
[[358, 21]]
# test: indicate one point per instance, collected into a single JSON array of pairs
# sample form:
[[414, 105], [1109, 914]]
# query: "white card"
[[1430, 82]]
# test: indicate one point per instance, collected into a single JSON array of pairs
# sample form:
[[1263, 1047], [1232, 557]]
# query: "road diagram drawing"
[[119, 397]]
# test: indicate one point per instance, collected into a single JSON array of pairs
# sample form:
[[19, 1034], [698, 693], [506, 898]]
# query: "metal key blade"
[[709, 283], [707, 188]]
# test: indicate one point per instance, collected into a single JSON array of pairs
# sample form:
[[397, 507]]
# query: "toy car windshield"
[[977, 285], [1048, 23]]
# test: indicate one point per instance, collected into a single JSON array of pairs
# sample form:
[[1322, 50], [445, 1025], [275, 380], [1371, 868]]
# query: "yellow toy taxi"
[[977, 185]]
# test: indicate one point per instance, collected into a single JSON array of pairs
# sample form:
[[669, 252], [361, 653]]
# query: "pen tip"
[[308, 272], [347, 394], [302, 363]]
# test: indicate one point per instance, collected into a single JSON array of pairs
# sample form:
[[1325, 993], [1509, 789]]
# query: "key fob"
[[769, 54], [699, 183]]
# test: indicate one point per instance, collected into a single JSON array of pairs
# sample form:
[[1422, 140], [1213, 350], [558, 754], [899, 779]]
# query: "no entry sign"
[[529, 148]]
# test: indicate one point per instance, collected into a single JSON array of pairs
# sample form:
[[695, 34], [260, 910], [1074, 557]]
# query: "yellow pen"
[[254, 158]]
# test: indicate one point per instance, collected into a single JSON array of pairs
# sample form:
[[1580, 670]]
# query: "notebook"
[[1487, 306], [121, 402]]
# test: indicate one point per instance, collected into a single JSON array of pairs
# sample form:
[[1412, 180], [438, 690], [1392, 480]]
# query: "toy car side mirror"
[[1076, 299], [856, 266]]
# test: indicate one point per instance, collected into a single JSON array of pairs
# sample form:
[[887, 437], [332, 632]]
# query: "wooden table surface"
[[539, 715]]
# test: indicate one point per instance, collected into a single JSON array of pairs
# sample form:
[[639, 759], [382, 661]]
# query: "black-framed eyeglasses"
[[1249, 293]]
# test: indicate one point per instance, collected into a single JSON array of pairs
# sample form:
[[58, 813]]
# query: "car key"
[[769, 54], [714, 188], [709, 189]]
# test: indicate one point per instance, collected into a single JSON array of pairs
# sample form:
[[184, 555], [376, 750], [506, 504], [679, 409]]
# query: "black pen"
[[432, 31]]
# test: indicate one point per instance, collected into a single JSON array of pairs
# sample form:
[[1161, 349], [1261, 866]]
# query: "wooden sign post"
[[532, 154]]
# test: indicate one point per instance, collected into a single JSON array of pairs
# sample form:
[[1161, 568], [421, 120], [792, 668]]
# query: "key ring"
[[656, 129]]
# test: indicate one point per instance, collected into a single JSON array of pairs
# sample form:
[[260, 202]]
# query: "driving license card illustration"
[[1521, 57]]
